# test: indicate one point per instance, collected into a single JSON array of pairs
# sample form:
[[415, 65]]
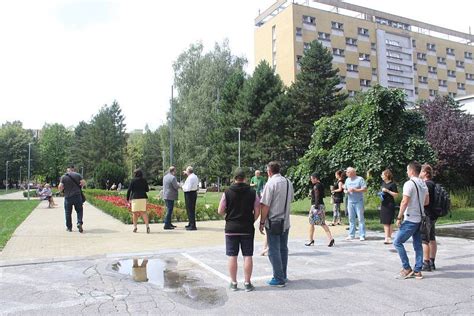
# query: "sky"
[[62, 60]]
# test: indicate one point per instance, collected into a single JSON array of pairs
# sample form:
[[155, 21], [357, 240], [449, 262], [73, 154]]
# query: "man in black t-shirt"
[[241, 207], [430, 247], [71, 183]]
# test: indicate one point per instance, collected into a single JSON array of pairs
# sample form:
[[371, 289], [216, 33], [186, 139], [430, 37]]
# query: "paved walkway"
[[43, 235], [12, 196]]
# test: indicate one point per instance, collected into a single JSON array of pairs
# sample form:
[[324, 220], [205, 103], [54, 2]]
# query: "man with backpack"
[[438, 206], [71, 183]]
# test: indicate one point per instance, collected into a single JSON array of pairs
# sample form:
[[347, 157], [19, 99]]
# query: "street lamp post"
[[19, 182], [6, 177], [29, 170], [238, 129]]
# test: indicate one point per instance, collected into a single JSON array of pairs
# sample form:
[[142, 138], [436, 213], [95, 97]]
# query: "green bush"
[[33, 193], [462, 198], [108, 171]]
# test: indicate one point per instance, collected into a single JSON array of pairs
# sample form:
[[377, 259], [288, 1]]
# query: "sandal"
[[135, 229]]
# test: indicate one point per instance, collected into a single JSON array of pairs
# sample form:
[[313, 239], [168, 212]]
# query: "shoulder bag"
[[80, 188], [425, 224], [277, 226]]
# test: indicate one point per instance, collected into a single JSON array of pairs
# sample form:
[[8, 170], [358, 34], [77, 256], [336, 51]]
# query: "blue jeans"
[[407, 230], [69, 202], [278, 254], [169, 211], [356, 209]]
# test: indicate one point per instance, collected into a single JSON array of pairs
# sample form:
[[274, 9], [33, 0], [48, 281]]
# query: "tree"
[[450, 131], [80, 150], [373, 133], [54, 146], [110, 171], [313, 95]]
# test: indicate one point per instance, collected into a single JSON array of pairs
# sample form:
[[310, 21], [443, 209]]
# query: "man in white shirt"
[[415, 196], [190, 188]]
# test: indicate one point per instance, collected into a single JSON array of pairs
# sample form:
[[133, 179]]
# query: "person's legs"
[[232, 263], [284, 253], [327, 230], [232, 251], [337, 213], [169, 212], [386, 230], [248, 267], [406, 230], [78, 206], [360, 215], [311, 233], [418, 250], [351, 211], [67, 213], [433, 244], [192, 209], [274, 255], [145, 217], [246, 244], [187, 203], [135, 219]]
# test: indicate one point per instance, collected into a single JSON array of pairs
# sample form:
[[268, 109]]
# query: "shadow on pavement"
[[308, 254], [100, 231], [312, 284]]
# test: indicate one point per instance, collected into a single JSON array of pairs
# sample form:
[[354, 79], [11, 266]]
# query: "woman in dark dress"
[[137, 197], [337, 195], [387, 209]]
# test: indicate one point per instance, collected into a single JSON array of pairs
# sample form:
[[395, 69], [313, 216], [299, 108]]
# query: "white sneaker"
[[362, 238], [349, 238]]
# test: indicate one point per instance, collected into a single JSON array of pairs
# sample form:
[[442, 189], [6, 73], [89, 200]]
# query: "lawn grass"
[[12, 214]]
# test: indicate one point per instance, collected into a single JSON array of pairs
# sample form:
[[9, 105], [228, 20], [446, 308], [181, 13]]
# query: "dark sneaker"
[[79, 226], [168, 227], [233, 286], [191, 228], [405, 274], [69, 229], [174, 226], [418, 275], [426, 267], [249, 287], [275, 282], [432, 265]]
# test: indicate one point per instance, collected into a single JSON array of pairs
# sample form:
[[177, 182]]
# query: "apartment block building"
[[368, 47]]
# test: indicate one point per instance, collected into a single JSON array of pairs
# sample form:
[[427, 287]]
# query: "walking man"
[[415, 196], [71, 183], [170, 194], [241, 207], [275, 218], [190, 188], [355, 187], [257, 183]]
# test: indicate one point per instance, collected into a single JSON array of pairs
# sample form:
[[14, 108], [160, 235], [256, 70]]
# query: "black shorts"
[[431, 236], [232, 243]]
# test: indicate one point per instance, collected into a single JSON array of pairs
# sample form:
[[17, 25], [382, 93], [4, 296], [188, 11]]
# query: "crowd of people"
[[242, 204]]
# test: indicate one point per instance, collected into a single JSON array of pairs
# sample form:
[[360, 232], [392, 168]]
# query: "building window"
[[452, 94], [431, 47], [395, 79], [470, 76], [392, 42], [352, 67], [442, 83], [374, 71], [306, 46], [343, 79], [391, 54], [461, 86], [309, 19], [450, 51], [414, 66], [416, 90], [394, 67], [442, 60], [451, 73], [299, 31], [365, 83], [422, 79], [373, 46], [324, 36], [413, 43], [338, 52], [351, 93], [351, 41], [433, 92], [421, 56], [432, 70], [337, 26], [365, 57], [468, 55], [459, 64], [362, 31]]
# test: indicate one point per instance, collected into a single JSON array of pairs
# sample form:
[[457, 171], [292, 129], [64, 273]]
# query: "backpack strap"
[[418, 195], [74, 180]]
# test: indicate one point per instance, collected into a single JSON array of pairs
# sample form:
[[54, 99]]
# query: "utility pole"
[[29, 170], [163, 157], [6, 177], [19, 182], [171, 127]]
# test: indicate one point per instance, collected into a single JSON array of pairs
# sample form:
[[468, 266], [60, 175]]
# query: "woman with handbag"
[[137, 197], [316, 213], [337, 195], [387, 208]]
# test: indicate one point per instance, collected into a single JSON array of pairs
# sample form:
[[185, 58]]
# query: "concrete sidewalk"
[[13, 196], [43, 235]]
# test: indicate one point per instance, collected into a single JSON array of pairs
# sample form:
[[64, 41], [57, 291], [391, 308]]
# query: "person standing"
[[387, 207], [71, 184], [355, 187], [415, 195], [337, 197], [257, 183], [137, 197], [275, 219], [241, 207], [190, 188], [317, 212], [430, 247], [170, 194]]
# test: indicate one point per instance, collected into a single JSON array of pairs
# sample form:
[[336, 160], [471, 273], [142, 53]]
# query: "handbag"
[[277, 226], [425, 224], [80, 188]]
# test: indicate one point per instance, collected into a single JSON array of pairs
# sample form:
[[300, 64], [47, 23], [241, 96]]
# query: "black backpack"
[[441, 205]]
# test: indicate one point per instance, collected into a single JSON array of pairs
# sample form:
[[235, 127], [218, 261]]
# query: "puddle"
[[183, 287], [466, 232]]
